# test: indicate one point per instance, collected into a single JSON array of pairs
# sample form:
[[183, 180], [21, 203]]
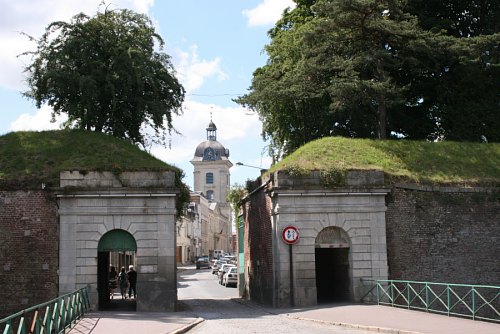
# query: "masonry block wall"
[[258, 249], [28, 249], [446, 235]]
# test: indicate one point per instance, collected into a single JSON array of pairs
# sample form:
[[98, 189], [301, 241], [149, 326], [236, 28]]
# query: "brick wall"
[[258, 249], [28, 249], [446, 235]]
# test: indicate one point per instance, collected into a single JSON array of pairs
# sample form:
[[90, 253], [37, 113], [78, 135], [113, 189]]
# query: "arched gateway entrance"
[[116, 248], [104, 216], [332, 247]]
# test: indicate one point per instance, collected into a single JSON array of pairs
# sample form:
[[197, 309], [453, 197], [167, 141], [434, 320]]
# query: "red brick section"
[[28, 249], [449, 237], [258, 248]]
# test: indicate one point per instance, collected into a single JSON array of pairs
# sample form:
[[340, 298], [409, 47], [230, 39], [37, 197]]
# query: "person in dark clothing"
[[122, 278], [132, 281], [113, 284]]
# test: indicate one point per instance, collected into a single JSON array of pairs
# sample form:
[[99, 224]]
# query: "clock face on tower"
[[209, 154]]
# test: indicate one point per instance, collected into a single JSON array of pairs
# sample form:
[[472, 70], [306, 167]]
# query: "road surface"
[[200, 293]]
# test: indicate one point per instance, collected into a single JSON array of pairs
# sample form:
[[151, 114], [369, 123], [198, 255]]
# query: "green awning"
[[117, 241]]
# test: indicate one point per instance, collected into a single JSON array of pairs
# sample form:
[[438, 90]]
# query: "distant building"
[[207, 224], [190, 229]]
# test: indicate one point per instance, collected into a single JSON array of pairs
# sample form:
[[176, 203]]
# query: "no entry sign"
[[290, 235]]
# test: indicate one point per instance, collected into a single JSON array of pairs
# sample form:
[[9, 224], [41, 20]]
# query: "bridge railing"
[[480, 302], [55, 316]]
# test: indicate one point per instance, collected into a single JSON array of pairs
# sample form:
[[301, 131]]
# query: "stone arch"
[[332, 237], [109, 245], [332, 265]]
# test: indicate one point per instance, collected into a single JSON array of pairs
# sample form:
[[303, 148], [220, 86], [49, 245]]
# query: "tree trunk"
[[382, 107], [382, 120]]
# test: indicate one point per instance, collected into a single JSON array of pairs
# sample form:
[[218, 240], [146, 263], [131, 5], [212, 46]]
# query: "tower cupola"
[[211, 131]]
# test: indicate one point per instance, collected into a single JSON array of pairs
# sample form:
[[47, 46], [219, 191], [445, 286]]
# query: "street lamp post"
[[242, 164]]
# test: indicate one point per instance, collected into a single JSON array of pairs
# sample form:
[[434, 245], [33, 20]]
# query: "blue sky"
[[215, 47]]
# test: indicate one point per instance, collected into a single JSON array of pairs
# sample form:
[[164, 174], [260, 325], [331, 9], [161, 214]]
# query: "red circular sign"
[[290, 235]]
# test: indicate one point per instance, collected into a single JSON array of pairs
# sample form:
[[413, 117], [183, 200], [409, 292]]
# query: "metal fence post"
[[378, 293], [426, 297], [392, 292], [473, 304], [448, 305], [408, 294]]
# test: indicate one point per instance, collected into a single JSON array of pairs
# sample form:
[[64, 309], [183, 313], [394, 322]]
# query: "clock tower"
[[211, 169]]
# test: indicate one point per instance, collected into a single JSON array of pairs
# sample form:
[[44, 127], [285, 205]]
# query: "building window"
[[210, 195], [209, 178]]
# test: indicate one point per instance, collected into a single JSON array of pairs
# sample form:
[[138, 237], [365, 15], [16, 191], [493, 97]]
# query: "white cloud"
[[193, 72], [25, 16], [267, 12], [38, 121]]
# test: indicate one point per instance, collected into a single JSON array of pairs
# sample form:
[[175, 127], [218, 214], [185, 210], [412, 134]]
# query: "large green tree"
[[462, 93], [366, 68], [108, 73]]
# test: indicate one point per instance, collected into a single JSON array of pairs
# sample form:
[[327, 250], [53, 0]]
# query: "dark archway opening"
[[332, 275], [116, 249]]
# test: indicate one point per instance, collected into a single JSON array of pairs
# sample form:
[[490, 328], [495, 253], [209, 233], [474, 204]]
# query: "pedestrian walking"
[[122, 279], [113, 284], [132, 281]]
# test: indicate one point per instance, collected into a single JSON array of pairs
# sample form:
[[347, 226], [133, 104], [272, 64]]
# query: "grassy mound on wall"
[[28, 159], [456, 163]]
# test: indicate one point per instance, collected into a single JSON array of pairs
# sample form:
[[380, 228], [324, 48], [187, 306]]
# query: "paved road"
[[201, 284], [200, 293]]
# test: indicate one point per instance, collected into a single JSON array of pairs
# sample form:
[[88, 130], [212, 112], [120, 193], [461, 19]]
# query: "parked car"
[[230, 258], [231, 277], [223, 269], [202, 262], [216, 266]]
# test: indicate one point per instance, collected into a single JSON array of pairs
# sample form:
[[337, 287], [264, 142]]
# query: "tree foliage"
[[370, 69], [459, 18], [104, 72], [234, 197]]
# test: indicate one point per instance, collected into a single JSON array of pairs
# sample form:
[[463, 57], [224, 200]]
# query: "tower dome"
[[211, 149]]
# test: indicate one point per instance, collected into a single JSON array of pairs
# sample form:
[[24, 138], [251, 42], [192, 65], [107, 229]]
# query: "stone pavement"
[[382, 319], [109, 322], [385, 319]]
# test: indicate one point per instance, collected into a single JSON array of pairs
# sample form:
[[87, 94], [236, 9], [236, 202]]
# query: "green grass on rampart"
[[28, 159], [457, 163]]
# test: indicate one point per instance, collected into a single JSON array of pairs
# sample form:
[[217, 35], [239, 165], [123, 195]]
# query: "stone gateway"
[[133, 212]]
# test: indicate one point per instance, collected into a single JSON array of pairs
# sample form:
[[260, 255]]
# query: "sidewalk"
[[109, 322], [385, 319]]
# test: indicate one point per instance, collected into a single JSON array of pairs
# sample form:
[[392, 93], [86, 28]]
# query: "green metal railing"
[[55, 316], [480, 302]]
